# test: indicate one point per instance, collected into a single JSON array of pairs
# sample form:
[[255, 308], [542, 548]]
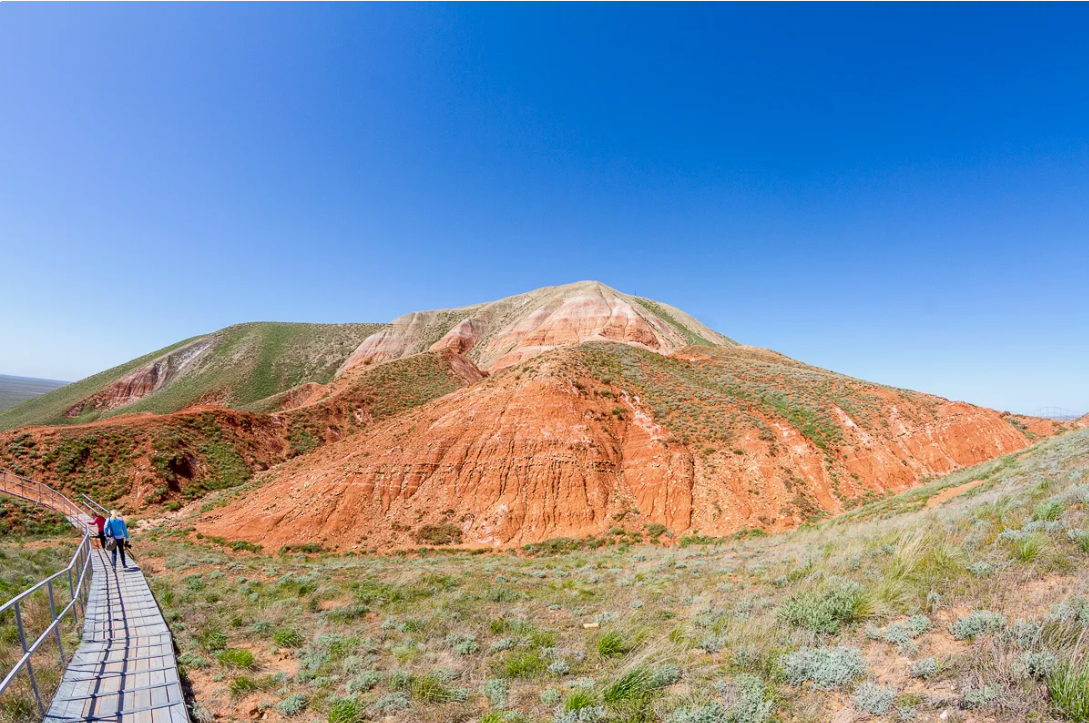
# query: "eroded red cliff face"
[[551, 450], [150, 459]]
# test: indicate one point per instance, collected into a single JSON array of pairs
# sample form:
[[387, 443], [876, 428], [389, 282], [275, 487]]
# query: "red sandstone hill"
[[566, 411], [598, 436]]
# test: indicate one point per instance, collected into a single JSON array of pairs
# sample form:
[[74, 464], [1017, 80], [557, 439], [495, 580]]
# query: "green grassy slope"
[[714, 399], [245, 364], [49, 408], [252, 361]]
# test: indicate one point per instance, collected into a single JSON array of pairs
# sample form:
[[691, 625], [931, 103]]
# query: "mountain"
[[564, 412], [245, 366], [16, 390]]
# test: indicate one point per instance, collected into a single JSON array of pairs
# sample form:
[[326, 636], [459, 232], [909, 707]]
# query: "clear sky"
[[896, 192]]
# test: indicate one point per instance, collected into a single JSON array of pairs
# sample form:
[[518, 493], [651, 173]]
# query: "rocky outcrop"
[[141, 382], [461, 338], [503, 333]]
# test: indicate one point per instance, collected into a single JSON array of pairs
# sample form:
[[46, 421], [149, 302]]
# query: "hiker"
[[119, 534], [99, 521]]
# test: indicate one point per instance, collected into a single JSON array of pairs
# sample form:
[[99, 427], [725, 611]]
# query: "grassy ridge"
[[245, 364], [250, 362], [49, 408], [656, 309]]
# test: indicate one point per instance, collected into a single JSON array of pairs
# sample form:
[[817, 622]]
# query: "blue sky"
[[896, 192]]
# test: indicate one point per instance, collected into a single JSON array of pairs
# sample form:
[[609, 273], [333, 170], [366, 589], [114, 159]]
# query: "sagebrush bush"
[[292, 705], [1034, 665], [193, 660], [981, 569], [713, 712], [977, 623], [750, 700], [392, 702], [872, 698], [923, 668], [824, 610], [559, 668], [495, 690], [461, 643], [827, 668], [977, 697]]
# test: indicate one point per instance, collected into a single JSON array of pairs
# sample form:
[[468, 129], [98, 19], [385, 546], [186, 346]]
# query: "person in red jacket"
[[100, 522]]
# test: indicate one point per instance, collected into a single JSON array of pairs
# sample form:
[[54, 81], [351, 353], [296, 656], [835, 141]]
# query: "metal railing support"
[[78, 583]]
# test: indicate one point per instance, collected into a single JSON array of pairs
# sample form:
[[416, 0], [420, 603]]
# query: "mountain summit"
[[503, 333]]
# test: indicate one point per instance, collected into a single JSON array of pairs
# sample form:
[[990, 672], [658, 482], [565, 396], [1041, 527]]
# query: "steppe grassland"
[[975, 608]]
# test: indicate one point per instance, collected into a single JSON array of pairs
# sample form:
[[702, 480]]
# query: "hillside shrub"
[[345, 710], [872, 698], [613, 645], [287, 638], [824, 610], [977, 623], [826, 668], [237, 658], [923, 668], [444, 533], [292, 705]]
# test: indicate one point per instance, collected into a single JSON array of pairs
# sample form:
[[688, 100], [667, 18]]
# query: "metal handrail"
[[94, 504], [42, 494], [78, 588]]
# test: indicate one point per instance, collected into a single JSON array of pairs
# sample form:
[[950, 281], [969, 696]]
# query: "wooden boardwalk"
[[125, 669]]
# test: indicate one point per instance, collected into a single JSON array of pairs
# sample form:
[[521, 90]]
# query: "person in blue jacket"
[[115, 528]]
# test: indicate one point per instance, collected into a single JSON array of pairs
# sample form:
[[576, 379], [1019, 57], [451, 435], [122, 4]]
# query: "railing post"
[[72, 596], [29, 665], [57, 627]]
